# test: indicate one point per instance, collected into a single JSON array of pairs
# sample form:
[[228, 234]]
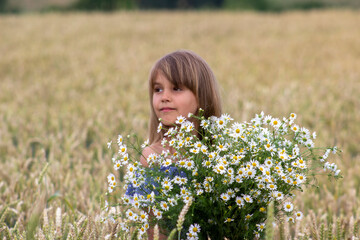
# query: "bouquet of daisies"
[[228, 171]]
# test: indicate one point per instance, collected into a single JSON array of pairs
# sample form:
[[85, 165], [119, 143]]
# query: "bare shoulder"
[[153, 148]]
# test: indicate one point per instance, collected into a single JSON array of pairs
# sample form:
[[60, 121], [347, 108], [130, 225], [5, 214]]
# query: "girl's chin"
[[168, 123]]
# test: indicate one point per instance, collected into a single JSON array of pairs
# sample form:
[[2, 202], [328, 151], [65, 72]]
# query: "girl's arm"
[[145, 153], [153, 148]]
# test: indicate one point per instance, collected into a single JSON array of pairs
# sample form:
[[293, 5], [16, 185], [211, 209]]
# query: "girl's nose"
[[165, 97]]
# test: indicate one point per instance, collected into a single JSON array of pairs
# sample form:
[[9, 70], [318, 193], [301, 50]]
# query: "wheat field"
[[71, 82]]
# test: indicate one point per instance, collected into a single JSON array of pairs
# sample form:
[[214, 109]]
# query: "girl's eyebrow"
[[156, 84]]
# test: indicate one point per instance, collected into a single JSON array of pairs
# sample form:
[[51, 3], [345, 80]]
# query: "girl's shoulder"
[[153, 148]]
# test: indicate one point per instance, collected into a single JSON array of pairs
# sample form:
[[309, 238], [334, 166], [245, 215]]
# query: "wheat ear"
[[183, 212]]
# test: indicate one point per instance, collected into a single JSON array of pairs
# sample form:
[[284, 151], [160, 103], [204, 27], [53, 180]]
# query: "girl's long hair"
[[185, 68]]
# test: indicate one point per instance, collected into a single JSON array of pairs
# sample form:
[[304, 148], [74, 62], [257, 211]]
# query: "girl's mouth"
[[167, 109]]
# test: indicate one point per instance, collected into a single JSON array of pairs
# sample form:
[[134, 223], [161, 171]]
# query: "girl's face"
[[170, 101]]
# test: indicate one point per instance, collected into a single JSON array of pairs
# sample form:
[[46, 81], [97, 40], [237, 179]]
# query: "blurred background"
[[73, 75]]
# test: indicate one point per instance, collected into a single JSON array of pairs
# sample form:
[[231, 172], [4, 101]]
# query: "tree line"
[[257, 5], [260, 5]]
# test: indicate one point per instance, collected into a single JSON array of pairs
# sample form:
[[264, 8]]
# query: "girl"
[[180, 83]]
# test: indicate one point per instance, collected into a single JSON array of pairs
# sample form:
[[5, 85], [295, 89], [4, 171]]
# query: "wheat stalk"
[[182, 214], [270, 222], [156, 232]]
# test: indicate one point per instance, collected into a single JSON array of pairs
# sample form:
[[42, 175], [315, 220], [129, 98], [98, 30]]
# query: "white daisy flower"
[[247, 198], [167, 162], [231, 193], [254, 163], [189, 164], [199, 192], [180, 120], [207, 163], [191, 236], [225, 197], [227, 220], [111, 178], [164, 205], [283, 156], [261, 185], [277, 195], [295, 128], [131, 168], [157, 214], [190, 127], [183, 181], [250, 173], [288, 206], [150, 197], [117, 165], [293, 116], [220, 168], [194, 150], [204, 149], [181, 163], [209, 179], [221, 147], [160, 127], [172, 201], [271, 186], [298, 215], [194, 228], [131, 215], [275, 122], [221, 123], [111, 189], [143, 216], [122, 149], [291, 219], [167, 187], [241, 172], [145, 144], [142, 230], [260, 227], [184, 191], [204, 123], [239, 201], [119, 140]]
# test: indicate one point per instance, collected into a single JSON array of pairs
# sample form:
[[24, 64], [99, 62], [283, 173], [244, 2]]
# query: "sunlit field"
[[71, 82]]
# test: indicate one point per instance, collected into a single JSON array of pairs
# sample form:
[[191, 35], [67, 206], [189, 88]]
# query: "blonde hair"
[[185, 68]]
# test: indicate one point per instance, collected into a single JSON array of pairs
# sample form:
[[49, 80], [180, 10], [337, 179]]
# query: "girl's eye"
[[177, 89], [157, 89]]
